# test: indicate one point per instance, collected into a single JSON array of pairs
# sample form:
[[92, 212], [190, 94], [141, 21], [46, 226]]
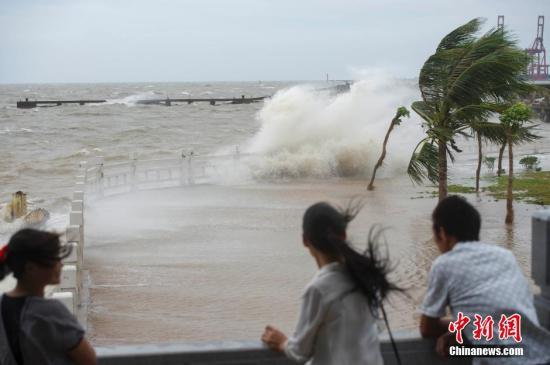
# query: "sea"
[[219, 261]]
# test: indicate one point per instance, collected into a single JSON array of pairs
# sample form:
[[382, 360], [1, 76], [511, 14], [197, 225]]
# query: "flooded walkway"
[[217, 262]]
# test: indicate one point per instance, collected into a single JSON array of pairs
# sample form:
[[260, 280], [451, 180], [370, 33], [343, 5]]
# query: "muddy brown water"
[[219, 263]]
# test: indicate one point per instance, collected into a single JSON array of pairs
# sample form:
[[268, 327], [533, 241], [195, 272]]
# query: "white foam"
[[9, 131], [307, 133], [58, 222], [9, 228], [132, 100]]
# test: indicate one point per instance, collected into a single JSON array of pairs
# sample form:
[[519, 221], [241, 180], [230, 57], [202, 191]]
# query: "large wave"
[[307, 133]]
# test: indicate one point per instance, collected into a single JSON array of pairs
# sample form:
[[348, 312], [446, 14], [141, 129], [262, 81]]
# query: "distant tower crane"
[[538, 69]]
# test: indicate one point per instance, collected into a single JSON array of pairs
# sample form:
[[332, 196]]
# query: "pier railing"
[[69, 290], [96, 180], [133, 175]]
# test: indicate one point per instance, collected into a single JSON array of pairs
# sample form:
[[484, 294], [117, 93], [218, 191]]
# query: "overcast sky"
[[218, 40]]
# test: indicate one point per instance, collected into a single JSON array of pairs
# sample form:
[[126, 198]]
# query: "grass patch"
[[531, 187], [451, 189], [460, 189]]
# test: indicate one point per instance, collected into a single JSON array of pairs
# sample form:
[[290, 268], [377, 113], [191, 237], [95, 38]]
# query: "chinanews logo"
[[509, 327]]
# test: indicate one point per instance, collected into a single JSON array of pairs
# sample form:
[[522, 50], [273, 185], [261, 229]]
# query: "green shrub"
[[529, 162], [489, 162]]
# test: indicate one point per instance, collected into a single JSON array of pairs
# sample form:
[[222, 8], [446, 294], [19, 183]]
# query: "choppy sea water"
[[41, 147], [220, 261]]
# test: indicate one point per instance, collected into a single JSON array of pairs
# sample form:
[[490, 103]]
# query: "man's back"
[[477, 278], [485, 278]]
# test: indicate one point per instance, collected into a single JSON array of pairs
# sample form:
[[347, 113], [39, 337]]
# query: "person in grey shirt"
[[337, 324], [473, 278], [33, 329]]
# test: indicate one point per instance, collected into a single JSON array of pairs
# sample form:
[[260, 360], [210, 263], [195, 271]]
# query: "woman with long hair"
[[337, 322], [33, 329]]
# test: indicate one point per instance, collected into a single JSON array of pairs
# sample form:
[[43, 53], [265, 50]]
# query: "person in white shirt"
[[474, 278], [337, 322]]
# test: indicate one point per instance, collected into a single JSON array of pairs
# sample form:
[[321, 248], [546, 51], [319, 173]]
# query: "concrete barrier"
[[412, 349], [68, 278]]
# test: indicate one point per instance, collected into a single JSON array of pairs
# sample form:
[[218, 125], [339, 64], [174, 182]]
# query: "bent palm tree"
[[461, 84], [401, 112]]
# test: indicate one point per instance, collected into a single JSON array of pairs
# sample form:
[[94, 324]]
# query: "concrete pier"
[[29, 104]]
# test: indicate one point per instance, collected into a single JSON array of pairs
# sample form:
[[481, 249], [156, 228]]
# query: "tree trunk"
[[442, 169], [382, 156], [510, 197], [500, 153], [479, 157]]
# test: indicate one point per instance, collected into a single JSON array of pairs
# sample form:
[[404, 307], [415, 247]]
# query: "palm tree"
[[523, 136], [461, 84], [500, 155], [513, 122], [401, 112], [491, 132]]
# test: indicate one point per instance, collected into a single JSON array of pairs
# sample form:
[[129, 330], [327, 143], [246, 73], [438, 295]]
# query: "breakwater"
[[29, 104]]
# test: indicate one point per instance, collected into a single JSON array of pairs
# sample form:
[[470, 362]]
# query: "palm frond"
[[461, 36], [425, 110], [493, 132], [475, 113], [441, 133], [423, 164], [491, 69], [434, 75], [524, 134]]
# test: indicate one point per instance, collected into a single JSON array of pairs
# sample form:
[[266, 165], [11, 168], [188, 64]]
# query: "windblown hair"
[[31, 245], [325, 228], [458, 218]]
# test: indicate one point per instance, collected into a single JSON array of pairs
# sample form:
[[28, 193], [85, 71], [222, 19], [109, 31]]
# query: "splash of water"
[[57, 222], [307, 133], [132, 100]]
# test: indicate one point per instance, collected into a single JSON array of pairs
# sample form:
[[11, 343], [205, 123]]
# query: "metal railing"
[[96, 180], [133, 175]]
